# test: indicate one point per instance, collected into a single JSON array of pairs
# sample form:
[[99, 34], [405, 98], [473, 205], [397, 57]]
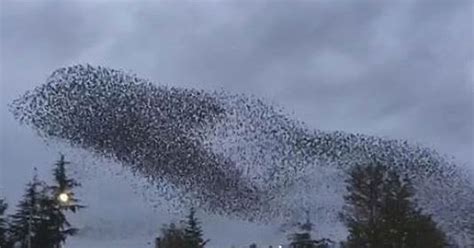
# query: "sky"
[[398, 69]]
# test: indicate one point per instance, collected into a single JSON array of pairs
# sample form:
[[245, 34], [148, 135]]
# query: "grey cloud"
[[53, 29], [390, 68]]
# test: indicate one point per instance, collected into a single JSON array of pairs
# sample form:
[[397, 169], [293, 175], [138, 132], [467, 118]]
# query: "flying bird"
[[231, 154]]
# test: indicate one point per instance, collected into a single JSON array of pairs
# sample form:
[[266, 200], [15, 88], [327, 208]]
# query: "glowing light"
[[63, 197]]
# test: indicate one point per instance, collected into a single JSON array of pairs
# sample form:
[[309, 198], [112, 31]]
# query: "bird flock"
[[231, 154]]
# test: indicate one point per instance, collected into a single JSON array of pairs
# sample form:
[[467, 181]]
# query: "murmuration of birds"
[[231, 154]]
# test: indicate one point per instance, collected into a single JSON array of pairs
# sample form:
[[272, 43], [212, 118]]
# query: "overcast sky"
[[399, 69]]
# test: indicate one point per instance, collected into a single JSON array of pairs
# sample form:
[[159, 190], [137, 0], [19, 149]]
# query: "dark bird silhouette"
[[231, 154]]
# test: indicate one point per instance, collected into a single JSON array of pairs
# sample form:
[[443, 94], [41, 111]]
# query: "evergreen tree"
[[172, 237], [302, 238], [193, 231], [25, 224], [362, 214], [65, 185], [396, 209], [422, 232], [188, 236], [54, 227], [379, 212], [57, 227], [3, 223], [404, 224], [40, 218]]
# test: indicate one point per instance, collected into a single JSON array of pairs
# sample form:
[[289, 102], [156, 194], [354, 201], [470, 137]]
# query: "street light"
[[63, 197]]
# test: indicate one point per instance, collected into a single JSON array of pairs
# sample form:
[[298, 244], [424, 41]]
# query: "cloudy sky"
[[400, 69]]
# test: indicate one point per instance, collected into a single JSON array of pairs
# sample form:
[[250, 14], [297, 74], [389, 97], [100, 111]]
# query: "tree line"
[[39, 220], [379, 212]]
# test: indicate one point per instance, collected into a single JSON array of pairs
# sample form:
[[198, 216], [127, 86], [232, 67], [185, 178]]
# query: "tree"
[[65, 185], [405, 224], [189, 235], [193, 231], [3, 223], [41, 215], [303, 239], [395, 209], [57, 227], [172, 237], [362, 213], [379, 211], [423, 232], [25, 224]]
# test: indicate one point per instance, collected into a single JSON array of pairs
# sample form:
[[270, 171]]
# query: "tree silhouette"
[[27, 222], [57, 227], [65, 185], [302, 238], [379, 211], [172, 236], [40, 219], [3, 223], [193, 231]]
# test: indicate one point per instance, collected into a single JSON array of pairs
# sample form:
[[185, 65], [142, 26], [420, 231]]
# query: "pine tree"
[[172, 237], [303, 239], [57, 227], [3, 223], [422, 232], [54, 228], [396, 209], [64, 184], [363, 211], [40, 218], [193, 231], [404, 224], [25, 224], [379, 212]]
